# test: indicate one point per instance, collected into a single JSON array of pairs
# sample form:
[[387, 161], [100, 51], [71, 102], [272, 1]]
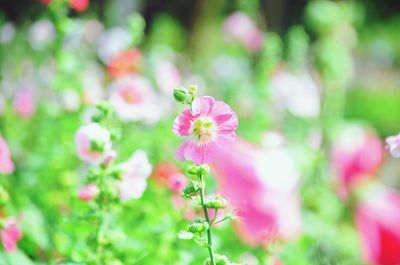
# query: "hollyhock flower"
[[133, 99], [7, 32], [41, 33], [261, 185], [134, 177], [92, 143], [112, 42], [208, 125], [377, 220], [177, 182], [356, 156], [88, 192], [298, 93], [79, 5], [10, 235], [126, 62], [6, 164], [24, 103], [393, 145], [240, 27]]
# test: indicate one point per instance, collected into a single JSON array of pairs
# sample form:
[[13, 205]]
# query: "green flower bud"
[[219, 260], [204, 169], [192, 188], [198, 226], [180, 94], [104, 108], [98, 117], [96, 146], [217, 203], [193, 170]]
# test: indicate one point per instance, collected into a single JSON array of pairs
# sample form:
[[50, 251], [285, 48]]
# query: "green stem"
[[209, 230], [100, 220]]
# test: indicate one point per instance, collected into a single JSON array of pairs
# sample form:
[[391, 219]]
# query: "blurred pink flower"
[[88, 192], [134, 177], [45, 2], [92, 143], [177, 182], [133, 99], [356, 156], [125, 62], [241, 28], [209, 125], [393, 144], [378, 219], [261, 185], [24, 103], [79, 5], [6, 164], [10, 235]]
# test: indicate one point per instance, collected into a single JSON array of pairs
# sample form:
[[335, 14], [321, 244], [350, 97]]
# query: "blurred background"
[[316, 86]]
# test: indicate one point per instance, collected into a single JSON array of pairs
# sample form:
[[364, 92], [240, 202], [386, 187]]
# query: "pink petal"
[[183, 123], [180, 152], [203, 105]]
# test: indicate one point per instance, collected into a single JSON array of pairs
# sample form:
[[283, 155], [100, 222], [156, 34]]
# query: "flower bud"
[[88, 193], [204, 169], [193, 170], [219, 260], [217, 203], [191, 189], [198, 226], [180, 94]]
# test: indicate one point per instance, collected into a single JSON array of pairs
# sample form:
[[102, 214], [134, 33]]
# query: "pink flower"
[[6, 164], [241, 28], [134, 177], [88, 192], [24, 103], [10, 235], [208, 125], [377, 220], [92, 143], [133, 99], [393, 145], [356, 156], [261, 185], [79, 5], [177, 182]]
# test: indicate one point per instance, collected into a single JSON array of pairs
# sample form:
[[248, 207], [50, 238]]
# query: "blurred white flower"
[[112, 42], [7, 33], [71, 100], [41, 33], [298, 93], [134, 99], [134, 177]]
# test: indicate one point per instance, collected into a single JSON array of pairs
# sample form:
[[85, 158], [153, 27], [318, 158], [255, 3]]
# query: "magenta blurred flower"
[[208, 125], [241, 28], [133, 99], [24, 103], [79, 5], [393, 145], [356, 156], [6, 164], [92, 143], [378, 219], [88, 192], [262, 186], [10, 234], [134, 177]]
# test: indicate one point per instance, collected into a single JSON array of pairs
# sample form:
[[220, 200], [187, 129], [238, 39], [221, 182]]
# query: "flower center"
[[203, 129], [130, 96]]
